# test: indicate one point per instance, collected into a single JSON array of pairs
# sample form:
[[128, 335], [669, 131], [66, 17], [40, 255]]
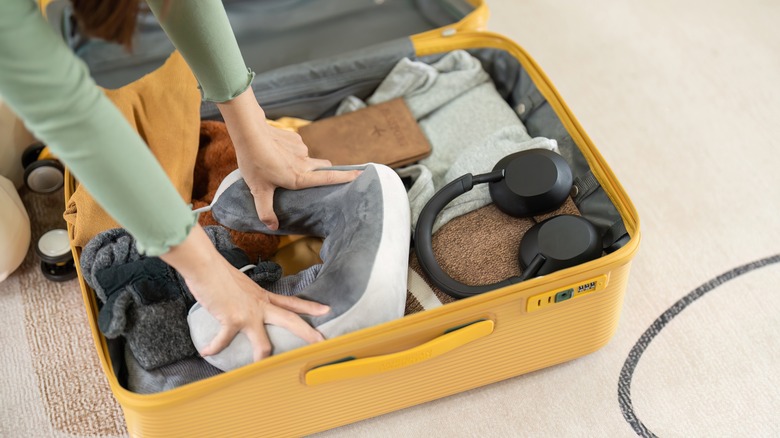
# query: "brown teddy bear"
[[216, 159]]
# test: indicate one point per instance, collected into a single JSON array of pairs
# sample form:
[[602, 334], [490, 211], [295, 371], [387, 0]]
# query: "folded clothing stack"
[[469, 125]]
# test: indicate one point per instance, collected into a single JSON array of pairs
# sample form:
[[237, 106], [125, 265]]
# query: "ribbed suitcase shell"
[[266, 398]]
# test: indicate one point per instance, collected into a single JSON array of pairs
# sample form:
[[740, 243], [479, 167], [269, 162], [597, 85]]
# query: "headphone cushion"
[[564, 240], [536, 181]]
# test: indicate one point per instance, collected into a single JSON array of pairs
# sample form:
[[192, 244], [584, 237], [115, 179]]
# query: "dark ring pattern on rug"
[[627, 373]]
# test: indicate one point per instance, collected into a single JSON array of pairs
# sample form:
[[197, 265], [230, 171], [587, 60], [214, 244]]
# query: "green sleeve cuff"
[[200, 30], [155, 248], [222, 98]]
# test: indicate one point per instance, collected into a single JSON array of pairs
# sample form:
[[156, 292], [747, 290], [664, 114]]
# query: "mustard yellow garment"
[[171, 131]]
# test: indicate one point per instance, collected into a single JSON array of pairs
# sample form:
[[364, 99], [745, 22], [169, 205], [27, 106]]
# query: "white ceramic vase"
[[14, 139], [14, 229]]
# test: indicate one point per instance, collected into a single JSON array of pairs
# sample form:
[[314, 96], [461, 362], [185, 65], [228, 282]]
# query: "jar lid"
[[54, 246]]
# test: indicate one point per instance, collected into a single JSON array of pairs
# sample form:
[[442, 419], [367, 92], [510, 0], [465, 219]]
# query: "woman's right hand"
[[238, 303], [270, 157]]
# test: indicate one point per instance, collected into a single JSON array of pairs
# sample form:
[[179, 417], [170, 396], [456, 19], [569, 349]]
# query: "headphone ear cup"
[[564, 241], [536, 181]]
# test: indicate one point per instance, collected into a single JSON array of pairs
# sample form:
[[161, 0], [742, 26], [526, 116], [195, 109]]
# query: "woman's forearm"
[[244, 118], [195, 259], [200, 30]]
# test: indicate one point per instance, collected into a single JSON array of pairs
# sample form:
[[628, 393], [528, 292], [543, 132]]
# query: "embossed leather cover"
[[386, 133]]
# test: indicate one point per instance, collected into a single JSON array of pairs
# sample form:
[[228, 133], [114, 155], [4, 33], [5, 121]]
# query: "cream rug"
[[52, 385], [682, 99]]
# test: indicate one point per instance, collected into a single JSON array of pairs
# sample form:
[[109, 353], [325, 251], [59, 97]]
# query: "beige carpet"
[[52, 383], [682, 99]]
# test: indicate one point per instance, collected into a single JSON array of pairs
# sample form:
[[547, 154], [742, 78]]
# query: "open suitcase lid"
[[275, 33]]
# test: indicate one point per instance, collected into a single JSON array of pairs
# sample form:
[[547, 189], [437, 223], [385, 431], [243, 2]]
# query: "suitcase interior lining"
[[313, 90], [271, 33]]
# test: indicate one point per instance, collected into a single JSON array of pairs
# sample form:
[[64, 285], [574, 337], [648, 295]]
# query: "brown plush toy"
[[216, 159]]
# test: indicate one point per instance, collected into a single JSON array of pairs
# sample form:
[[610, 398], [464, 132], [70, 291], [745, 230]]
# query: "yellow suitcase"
[[421, 357]]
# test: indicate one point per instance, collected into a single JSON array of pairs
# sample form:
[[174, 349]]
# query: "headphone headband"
[[423, 237], [522, 184]]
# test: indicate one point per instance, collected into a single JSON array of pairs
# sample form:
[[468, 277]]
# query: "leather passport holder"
[[385, 133]]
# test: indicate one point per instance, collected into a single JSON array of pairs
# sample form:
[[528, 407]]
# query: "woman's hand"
[[238, 303], [270, 157]]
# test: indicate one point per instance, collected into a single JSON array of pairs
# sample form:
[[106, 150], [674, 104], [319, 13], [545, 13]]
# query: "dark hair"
[[111, 20]]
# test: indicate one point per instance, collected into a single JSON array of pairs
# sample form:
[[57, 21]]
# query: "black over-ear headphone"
[[523, 184]]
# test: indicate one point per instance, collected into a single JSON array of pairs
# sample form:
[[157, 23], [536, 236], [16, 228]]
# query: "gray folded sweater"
[[469, 125]]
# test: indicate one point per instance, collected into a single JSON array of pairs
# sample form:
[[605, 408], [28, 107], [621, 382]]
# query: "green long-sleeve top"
[[51, 91]]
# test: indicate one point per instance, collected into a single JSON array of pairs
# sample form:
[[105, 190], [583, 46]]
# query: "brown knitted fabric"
[[216, 159], [568, 207], [480, 247]]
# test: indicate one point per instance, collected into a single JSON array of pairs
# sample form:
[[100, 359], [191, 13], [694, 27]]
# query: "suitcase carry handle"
[[370, 366]]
